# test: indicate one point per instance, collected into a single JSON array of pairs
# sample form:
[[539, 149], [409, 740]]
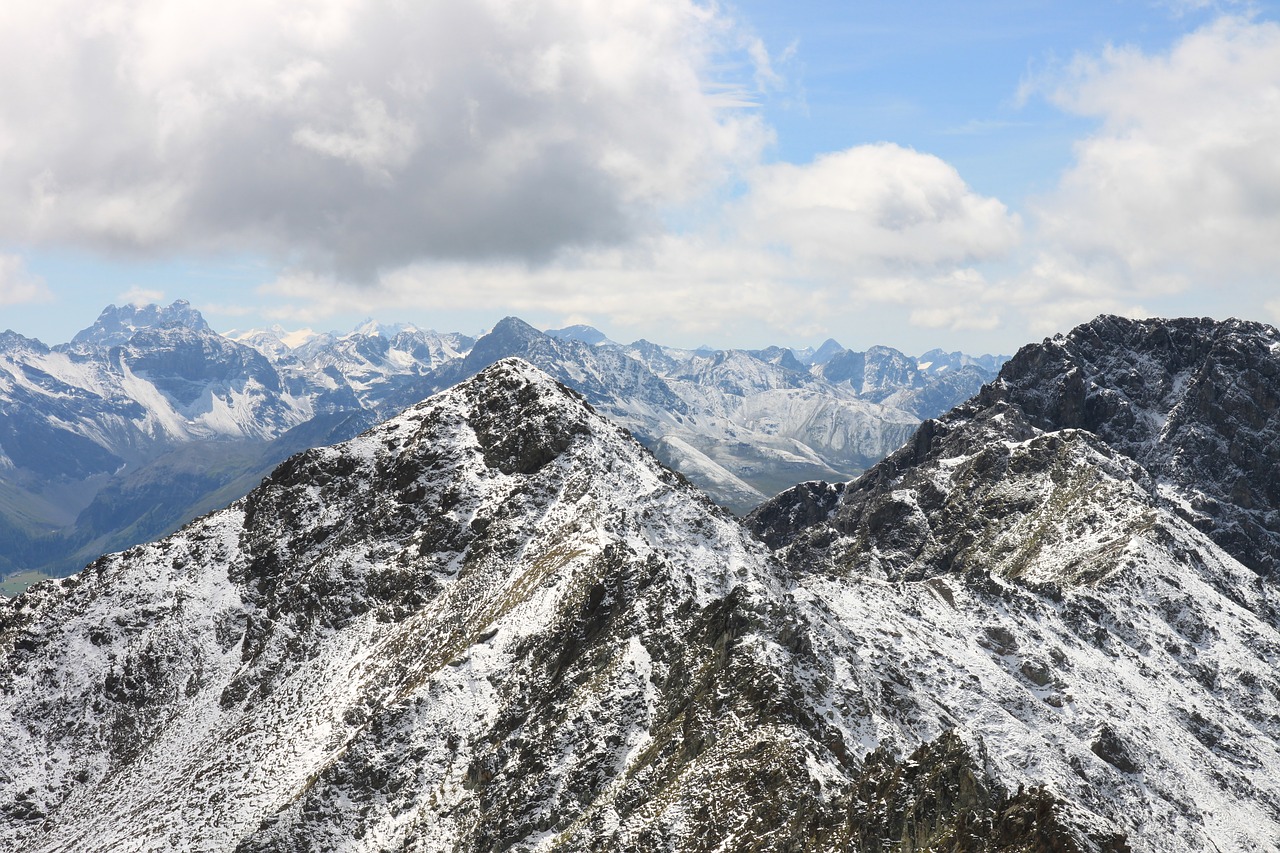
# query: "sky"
[[973, 176]]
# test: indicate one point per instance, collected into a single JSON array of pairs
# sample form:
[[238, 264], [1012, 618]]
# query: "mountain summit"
[[492, 618], [1089, 544], [116, 325]]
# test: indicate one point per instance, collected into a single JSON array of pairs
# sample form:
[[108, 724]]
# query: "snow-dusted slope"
[[1194, 401], [1091, 640], [1064, 610], [493, 620]]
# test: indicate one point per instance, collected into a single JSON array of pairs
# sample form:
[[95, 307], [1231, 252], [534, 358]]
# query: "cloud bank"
[[17, 285], [360, 134], [1179, 189], [564, 157], [871, 224]]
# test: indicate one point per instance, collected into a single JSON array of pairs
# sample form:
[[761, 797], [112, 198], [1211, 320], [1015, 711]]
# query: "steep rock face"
[[1096, 644], [874, 374], [1044, 545], [739, 373], [208, 380], [1194, 401], [56, 426], [940, 392]]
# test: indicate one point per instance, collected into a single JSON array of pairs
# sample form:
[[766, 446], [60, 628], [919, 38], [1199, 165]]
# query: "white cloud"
[[1179, 189], [515, 155], [804, 250], [874, 207], [17, 285], [353, 134], [523, 156], [141, 296]]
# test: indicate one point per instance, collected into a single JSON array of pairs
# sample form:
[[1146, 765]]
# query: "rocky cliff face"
[[1069, 542], [495, 623], [1193, 401]]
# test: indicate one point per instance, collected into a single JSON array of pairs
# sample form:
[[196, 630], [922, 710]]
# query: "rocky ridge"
[[496, 623], [493, 622], [149, 418], [1086, 497]]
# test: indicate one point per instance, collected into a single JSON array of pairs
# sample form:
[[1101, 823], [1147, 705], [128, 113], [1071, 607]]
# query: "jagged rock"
[[1072, 499], [1195, 402], [116, 326]]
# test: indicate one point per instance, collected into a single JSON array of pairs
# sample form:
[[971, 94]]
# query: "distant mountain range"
[[1049, 622], [149, 418]]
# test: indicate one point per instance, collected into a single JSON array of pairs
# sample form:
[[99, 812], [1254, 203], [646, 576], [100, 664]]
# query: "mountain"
[[491, 619], [496, 623], [117, 325], [936, 361], [98, 442], [1086, 553], [828, 348], [375, 368], [586, 334], [98, 447], [275, 342], [742, 424]]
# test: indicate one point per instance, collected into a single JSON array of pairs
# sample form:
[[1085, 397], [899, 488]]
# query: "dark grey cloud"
[[359, 135]]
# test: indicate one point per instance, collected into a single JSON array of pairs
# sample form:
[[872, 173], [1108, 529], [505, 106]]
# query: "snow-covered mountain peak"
[[589, 335], [742, 424], [275, 341], [828, 348], [12, 343], [1041, 537], [372, 328], [491, 616], [117, 324]]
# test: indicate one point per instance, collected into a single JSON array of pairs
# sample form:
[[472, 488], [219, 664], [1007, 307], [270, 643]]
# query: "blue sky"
[[972, 176], [948, 78]]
